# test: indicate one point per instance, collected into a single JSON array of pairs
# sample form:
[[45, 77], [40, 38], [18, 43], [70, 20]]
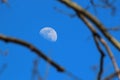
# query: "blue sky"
[[74, 48]]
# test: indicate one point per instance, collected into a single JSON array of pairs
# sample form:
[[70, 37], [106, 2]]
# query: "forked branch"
[[93, 19]]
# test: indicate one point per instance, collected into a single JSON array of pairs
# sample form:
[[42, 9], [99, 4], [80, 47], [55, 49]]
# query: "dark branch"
[[101, 58], [96, 38], [32, 48]]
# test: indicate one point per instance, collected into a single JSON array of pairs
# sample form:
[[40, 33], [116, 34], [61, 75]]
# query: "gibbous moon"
[[49, 34]]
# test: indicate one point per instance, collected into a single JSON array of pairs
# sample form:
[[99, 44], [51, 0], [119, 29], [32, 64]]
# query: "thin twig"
[[112, 75], [112, 58], [63, 12], [113, 29], [101, 58], [4, 66], [35, 71], [47, 70], [106, 4]]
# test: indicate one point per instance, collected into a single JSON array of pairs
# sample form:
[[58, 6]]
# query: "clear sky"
[[74, 49]]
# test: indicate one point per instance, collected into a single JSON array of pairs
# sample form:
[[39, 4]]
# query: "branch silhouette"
[[93, 19], [97, 39], [89, 20], [32, 48]]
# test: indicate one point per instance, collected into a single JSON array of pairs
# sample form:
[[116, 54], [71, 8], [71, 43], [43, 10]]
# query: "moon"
[[49, 34]]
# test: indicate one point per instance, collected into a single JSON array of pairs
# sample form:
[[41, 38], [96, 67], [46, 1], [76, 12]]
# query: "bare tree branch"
[[110, 55], [32, 48], [39, 53], [101, 58], [95, 36], [83, 15], [93, 19]]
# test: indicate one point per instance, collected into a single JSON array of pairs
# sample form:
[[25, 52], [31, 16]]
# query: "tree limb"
[[93, 19], [95, 36], [32, 48]]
